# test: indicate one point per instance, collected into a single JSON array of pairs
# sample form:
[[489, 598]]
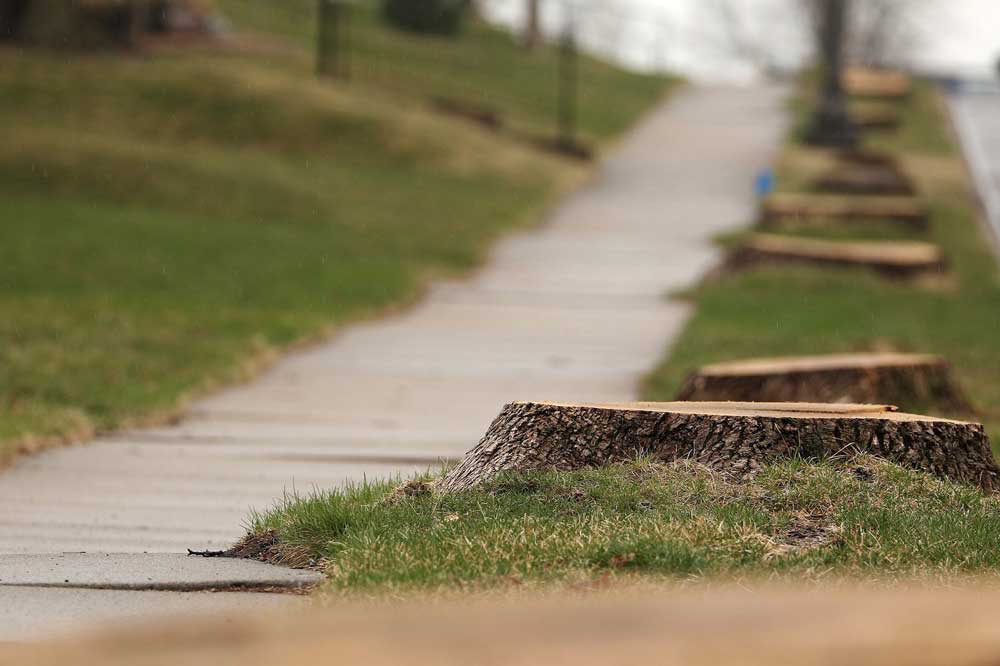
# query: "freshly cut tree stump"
[[876, 83], [890, 258], [868, 157], [906, 210], [876, 119], [918, 381], [865, 180], [733, 437]]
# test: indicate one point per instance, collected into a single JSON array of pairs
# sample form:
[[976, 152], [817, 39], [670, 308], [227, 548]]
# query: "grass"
[[780, 311], [173, 220], [867, 518], [482, 67]]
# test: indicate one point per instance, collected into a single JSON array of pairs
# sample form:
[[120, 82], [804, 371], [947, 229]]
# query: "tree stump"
[[469, 110], [876, 119], [876, 83], [906, 210], [865, 180], [732, 437], [868, 157], [897, 259], [915, 381]]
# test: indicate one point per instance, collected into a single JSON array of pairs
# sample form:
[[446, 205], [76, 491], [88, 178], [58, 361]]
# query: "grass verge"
[[783, 311], [865, 518], [173, 220]]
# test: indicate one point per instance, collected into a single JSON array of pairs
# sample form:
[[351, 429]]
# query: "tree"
[[532, 27], [831, 124], [883, 32]]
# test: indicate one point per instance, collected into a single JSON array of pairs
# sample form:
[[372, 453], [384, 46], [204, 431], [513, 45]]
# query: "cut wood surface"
[[892, 258], [914, 380], [876, 83], [908, 210], [865, 180], [733, 437]]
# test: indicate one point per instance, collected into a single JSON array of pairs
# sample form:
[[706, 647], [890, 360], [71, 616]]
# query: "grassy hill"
[[173, 219]]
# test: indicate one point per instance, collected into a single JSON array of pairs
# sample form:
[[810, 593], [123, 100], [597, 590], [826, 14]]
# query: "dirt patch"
[[414, 488], [807, 531], [262, 546]]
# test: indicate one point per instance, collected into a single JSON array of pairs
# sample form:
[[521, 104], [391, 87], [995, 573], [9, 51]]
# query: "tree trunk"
[[532, 27], [912, 381], [831, 124], [737, 438]]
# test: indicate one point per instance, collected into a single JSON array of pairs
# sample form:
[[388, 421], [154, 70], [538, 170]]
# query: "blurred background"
[[191, 185]]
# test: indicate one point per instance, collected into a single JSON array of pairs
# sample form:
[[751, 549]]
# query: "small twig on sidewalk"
[[206, 553]]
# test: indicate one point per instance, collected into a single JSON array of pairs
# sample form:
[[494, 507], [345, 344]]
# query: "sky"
[[689, 36]]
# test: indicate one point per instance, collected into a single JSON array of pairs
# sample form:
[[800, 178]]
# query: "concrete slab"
[[39, 613], [153, 571]]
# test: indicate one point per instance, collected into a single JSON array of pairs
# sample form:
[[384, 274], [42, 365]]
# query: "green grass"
[[865, 518], [787, 311], [171, 220]]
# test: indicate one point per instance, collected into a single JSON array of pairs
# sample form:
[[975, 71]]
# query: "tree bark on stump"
[[875, 120], [914, 381], [907, 210], [865, 180], [733, 437], [894, 259]]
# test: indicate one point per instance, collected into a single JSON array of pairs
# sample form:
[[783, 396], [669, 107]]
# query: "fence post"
[[568, 75]]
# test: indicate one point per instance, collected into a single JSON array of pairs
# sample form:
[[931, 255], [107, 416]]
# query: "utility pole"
[[831, 124]]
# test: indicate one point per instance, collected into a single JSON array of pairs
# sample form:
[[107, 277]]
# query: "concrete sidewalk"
[[572, 311]]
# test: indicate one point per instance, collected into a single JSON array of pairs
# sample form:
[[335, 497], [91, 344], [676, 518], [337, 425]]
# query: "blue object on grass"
[[764, 183]]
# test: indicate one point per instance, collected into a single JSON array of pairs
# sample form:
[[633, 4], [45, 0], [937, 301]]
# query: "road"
[[976, 111]]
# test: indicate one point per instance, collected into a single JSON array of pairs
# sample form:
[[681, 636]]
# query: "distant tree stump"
[[865, 180], [906, 210], [915, 381], [876, 83], [896, 259], [874, 119], [469, 110], [733, 437], [869, 158]]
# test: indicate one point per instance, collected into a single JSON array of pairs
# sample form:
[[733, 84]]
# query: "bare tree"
[[831, 124], [884, 32]]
